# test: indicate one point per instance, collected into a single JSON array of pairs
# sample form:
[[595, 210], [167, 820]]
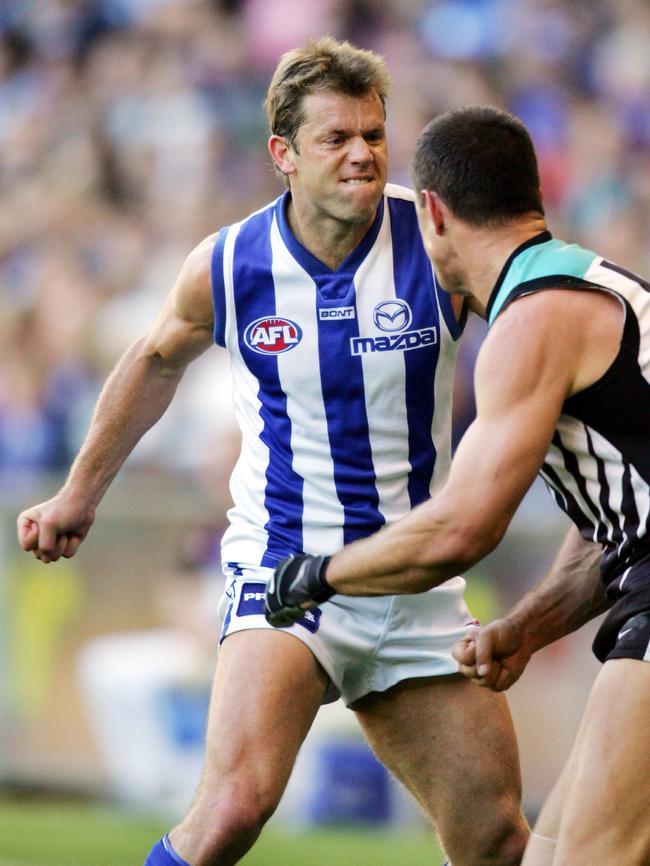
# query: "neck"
[[329, 239], [484, 252]]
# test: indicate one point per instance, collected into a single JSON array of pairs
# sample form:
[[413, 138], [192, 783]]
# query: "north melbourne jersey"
[[342, 381]]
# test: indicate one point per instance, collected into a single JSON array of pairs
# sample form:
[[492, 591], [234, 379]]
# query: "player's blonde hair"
[[325, 64]]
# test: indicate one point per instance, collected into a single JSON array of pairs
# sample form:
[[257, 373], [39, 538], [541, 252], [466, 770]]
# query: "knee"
[[226, 822], [494, 841], [240, 812], [503, 842]]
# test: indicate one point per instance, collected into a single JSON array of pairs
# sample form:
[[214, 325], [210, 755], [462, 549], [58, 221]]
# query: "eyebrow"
[[375, 130]]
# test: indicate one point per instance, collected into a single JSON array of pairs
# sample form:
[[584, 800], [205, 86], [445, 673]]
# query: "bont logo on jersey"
[[330, 313], [272, 335]]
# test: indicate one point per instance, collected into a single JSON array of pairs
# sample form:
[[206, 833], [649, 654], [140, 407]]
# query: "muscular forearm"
[[570, 595], [451, 532], [430, 545], [419, 552], [394, 573], [134, 397]]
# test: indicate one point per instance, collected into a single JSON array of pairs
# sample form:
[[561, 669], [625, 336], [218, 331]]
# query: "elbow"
[[149, 355], [144, 353]]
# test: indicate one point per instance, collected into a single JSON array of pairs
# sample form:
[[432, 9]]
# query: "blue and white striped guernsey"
[[336, 376]]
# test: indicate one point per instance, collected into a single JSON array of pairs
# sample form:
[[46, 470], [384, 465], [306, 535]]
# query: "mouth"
[[357, 181]]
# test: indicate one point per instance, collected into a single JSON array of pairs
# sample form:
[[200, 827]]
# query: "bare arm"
[[134, 397], [523, 375], [570, 595], [532, 359]]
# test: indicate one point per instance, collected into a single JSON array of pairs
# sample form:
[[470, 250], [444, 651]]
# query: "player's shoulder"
[[193, 288], [197, 265], [530, 316], [258, 220], [547, 330], [248, 229], [400, 204], [400, 201], [399, 193], [556, 307]]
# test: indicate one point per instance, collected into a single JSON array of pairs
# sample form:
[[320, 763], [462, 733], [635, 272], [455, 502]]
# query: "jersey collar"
[[307, 260], [541, 238]]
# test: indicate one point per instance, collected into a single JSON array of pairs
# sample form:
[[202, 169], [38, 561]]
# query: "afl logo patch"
[[392, 315], [272, 335]]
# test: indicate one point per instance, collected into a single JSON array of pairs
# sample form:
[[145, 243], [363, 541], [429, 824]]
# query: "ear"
[[435, 209], [282, 154]]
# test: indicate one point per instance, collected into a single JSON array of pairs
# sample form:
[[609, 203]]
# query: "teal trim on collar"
[[541, 238], [548, 259]]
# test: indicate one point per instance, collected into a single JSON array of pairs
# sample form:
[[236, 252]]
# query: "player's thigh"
[[452, 744], [607, 803], [267, 690]]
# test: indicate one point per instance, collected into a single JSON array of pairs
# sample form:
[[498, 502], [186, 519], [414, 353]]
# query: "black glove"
[[298, 584]]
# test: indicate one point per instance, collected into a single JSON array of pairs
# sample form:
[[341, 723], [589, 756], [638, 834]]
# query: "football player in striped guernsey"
[[562, 388], [342, 348]]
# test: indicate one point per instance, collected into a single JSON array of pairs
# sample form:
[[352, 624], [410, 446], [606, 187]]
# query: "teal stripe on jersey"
[[539, 261]]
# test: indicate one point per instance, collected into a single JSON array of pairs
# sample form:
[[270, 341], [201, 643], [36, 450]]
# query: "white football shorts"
[[364, 644]]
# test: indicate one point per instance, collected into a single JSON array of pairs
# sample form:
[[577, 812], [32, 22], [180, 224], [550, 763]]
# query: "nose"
[[360, 152]]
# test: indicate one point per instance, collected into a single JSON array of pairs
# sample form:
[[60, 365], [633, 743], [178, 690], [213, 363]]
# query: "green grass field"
[[52, 833]]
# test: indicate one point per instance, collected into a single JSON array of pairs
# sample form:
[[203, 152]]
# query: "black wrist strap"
[[317, 586]]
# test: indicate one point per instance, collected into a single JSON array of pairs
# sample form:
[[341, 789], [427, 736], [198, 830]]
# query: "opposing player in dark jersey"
[[562, 388], [342, 353]]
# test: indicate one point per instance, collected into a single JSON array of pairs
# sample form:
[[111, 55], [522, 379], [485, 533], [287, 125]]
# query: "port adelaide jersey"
[[342, 381], [598, 464]]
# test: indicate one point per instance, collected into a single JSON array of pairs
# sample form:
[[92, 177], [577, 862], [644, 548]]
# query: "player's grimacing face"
[[340, 155]]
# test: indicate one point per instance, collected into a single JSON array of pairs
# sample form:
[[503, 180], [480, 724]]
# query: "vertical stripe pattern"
[[283, 491], [334, 381], [420, 401], [598, 463]]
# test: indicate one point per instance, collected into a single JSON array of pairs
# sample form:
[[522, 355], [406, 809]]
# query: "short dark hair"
[[325, 64], [481, 162]]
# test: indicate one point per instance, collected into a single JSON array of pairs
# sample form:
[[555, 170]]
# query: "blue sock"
[[162, 854]]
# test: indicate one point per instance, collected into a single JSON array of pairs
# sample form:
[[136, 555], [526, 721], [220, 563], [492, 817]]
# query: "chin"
[[360, 217], [451, 283], [363, 207]]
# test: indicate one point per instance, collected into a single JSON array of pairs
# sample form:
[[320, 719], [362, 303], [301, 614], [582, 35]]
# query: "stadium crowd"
[[130, 129]]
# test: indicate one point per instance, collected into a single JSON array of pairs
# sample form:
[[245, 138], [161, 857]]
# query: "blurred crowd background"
[[129, 130]]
